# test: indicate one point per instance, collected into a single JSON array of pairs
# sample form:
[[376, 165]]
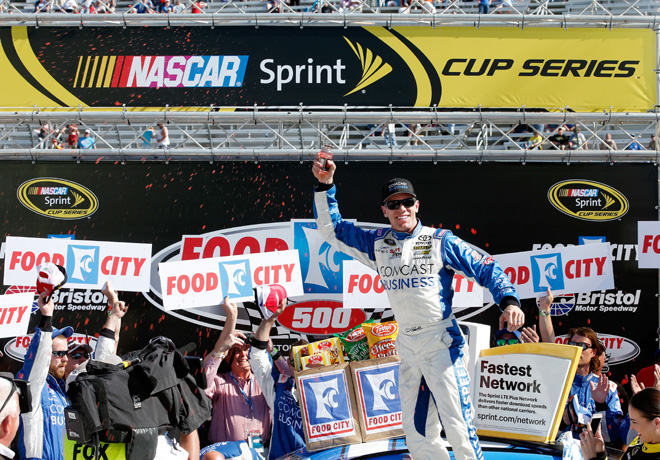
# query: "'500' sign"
[[321, 317]]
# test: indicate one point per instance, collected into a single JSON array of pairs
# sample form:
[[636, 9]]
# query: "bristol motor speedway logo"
[[602, 301], [327, 406], [378, 393]]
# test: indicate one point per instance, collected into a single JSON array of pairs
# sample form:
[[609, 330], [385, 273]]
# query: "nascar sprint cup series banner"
[[193, 211], [583, 69]]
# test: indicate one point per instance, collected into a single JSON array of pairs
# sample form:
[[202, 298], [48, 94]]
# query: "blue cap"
[[66, 331], [501, 332]]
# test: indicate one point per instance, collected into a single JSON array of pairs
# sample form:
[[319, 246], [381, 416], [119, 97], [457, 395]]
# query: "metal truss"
[[296, 135], [358, 7]]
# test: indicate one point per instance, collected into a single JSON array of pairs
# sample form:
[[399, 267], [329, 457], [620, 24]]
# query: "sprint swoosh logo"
[[373, 67]]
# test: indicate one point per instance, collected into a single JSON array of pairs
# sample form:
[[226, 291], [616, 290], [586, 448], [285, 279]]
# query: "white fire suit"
[[417, 270]]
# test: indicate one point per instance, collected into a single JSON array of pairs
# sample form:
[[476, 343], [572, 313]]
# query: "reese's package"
[[355, 343], [300, 352], [381, 338], [332, 346]]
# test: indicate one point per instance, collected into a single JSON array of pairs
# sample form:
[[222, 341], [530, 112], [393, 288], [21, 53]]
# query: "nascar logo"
[[160, 71]]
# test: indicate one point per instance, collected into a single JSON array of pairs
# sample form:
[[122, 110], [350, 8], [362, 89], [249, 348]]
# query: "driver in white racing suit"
[[416, 265]]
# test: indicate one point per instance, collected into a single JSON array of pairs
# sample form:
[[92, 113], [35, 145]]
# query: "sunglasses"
[[60, 353], [502, 342], [79, 355], [578, 344], [394, 204]]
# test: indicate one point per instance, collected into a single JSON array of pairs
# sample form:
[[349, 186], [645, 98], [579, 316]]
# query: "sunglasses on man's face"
[[395, 204], [79, 355], [502, 342], [60, 353], [579, 344]]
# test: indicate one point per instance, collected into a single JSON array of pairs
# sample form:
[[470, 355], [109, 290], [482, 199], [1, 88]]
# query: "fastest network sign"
[[89, 264], [205, 282]]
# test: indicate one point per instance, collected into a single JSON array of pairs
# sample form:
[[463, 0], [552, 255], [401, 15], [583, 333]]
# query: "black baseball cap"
[[397, 185]]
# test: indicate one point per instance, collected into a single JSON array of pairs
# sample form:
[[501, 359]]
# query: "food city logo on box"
[[378, 393], [588, 200], [57, 198], [327, 405], [618, 349], [17, 347]]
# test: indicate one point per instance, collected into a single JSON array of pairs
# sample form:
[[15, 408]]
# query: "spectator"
[[559, 140], [9, 415], [87, 142], [197, 7], [142, 7], [288, 432], [577, 140], [167, 7], [42, 430], [483, 6], [240, 411], [634, 144], [178, 7], [44, 132], [77, 354], [535, 141], [608, 143], [70, 6], [594, 392], [653, 145], [72, 137], [162, 137], [389, 133]]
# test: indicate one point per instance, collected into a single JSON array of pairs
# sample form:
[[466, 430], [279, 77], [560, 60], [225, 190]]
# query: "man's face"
[[58, 364], [75, 359], [240, 364], [402, 219], [588, 353]]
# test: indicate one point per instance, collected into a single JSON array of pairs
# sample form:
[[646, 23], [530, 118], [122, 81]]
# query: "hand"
[[599, 391], [546, 301], [529, 335], [235, 338], [514, 318], [656, 373], [110, 293], [46, 308], [635, 386], [230, 308], [280, 309], [322, 175], [119, 309], [591, 444]]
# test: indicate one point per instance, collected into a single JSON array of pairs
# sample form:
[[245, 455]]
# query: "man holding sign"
[[416, 265]]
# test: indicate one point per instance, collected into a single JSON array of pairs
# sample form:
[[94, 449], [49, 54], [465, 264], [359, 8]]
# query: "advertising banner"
[[521, 390], [648, 240], [363, 289], [15, 310], [574, 269], [583, 69], [200, 283], [88, 264]]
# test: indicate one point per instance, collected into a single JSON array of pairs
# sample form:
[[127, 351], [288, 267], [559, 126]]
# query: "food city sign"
[[15, 311], [572, 269], [17, 347], [89, 264], [200, 283], [618, 350], [648, 242]]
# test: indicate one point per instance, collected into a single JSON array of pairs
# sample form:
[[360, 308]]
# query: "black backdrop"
[[499, 207]]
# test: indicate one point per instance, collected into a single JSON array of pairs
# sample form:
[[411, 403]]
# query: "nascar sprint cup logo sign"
[[57, 198], [588, 200]]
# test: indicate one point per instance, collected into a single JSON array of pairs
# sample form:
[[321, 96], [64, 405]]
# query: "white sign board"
[[205, 282], [88, 264], [15, 311], [363, 289], [648, 244], [583, 268], [520, 390]]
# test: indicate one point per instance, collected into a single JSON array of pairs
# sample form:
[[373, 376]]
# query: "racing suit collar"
[[403, 235]]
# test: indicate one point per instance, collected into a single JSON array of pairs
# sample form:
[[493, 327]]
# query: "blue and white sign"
[[377, 393]]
